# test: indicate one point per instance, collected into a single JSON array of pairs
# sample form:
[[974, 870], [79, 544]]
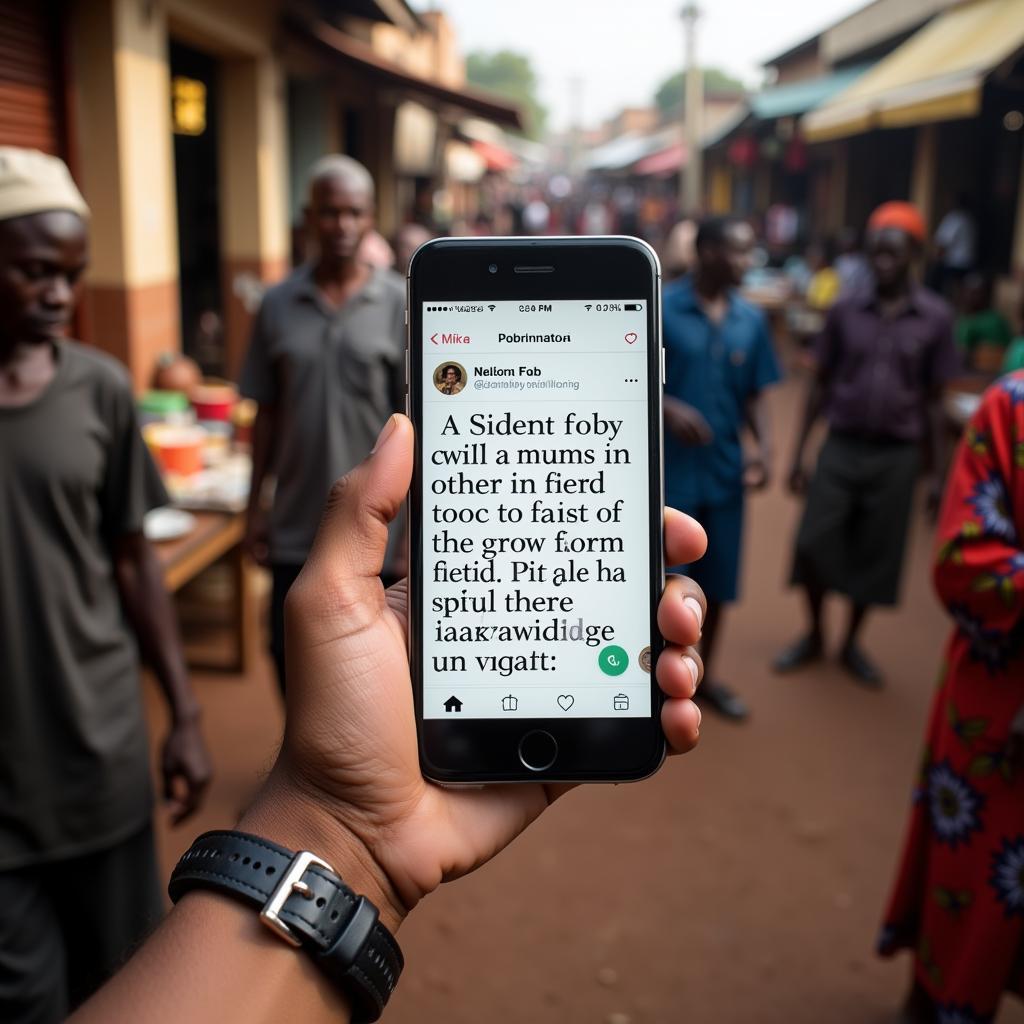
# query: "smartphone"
[[535, 544]]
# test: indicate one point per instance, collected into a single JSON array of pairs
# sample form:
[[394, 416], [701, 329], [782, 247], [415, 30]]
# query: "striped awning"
[[936, 75]]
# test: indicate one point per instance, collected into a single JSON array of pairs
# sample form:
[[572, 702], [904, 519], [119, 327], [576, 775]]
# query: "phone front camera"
[[492, 268]]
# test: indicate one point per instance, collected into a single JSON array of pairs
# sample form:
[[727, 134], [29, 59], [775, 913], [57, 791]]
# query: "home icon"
[[453, 704]]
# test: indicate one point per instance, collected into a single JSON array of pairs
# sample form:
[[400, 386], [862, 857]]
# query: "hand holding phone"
[[348, 772]]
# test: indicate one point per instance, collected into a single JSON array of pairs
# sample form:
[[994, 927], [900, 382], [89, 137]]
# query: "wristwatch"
[[303, 901]]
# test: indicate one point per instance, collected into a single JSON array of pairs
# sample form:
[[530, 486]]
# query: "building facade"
[[903, 99], [190, 124]]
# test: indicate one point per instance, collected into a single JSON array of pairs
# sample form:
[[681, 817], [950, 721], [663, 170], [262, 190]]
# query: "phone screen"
[[536, 476]]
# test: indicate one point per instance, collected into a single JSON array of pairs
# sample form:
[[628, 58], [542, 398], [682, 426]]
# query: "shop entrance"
[[194, 99]]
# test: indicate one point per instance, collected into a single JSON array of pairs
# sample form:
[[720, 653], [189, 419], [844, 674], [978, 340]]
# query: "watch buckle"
[[291, 882]]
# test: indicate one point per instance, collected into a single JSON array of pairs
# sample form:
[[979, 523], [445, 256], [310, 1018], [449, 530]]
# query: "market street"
[[745, 882]]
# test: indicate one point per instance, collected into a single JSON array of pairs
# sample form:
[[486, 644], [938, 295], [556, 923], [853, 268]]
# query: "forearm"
[[151, 613], [264, 431], [811, 412], [213, 962], [760, 425]]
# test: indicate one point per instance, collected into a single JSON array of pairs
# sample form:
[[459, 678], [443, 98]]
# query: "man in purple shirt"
[[883, 358]]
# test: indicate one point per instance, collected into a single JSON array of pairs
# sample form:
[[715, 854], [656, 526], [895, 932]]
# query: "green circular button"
[[613, 660]]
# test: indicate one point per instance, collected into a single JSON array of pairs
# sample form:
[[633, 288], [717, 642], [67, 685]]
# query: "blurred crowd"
[[883, 321]]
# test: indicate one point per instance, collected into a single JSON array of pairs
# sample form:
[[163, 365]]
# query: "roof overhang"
[[394, 12], [338, 45]]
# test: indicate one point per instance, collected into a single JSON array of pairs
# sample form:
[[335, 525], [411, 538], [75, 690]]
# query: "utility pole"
[[575, 125], [691, 180]]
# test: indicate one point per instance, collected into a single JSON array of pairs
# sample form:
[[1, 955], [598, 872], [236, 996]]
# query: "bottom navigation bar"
[[534, 702]]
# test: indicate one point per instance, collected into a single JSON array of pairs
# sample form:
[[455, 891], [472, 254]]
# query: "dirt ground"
[[744, 883]]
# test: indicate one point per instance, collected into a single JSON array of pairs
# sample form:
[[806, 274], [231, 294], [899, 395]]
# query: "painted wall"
[[255, 234], [121, 84], [119, 67]]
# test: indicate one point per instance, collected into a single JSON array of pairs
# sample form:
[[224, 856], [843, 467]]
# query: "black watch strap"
[[302, 900]]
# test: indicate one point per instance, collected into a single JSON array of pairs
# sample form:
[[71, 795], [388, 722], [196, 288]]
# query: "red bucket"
[[214, 402]]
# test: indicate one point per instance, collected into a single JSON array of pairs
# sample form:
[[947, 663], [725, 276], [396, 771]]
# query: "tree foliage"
[[671, 94], [511, 76]]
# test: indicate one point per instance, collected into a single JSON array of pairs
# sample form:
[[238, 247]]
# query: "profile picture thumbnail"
[[450, 378]]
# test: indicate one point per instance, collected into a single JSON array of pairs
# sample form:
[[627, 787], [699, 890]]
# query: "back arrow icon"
[[433, 338]]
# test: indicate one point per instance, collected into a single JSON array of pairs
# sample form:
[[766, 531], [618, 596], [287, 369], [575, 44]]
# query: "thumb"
[[339, 589], [353, 533]]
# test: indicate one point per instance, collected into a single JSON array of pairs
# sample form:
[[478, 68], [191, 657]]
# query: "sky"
[[623, 50]]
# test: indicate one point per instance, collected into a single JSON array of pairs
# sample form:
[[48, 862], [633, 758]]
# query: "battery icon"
[[633, 305]]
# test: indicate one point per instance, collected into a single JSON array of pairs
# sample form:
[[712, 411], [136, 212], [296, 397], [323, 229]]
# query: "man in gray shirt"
[[326, 365], [81, 591]]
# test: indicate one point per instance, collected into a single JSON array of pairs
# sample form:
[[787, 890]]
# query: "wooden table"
[[215, 535]]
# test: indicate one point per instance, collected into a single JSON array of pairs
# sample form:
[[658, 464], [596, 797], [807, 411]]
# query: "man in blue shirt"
[[719, 360]]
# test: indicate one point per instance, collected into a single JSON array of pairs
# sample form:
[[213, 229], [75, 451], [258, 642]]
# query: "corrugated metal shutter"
[[30, 82]]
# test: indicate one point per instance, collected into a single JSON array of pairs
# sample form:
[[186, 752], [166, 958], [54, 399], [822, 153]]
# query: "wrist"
[[185, 712], [289, 816]]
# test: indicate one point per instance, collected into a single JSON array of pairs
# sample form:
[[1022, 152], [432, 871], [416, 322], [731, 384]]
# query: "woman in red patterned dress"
[[958, 901]]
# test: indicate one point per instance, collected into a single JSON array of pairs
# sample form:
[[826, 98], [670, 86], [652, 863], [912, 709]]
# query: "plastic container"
[[214, 402], [165, 407], [178, 450]]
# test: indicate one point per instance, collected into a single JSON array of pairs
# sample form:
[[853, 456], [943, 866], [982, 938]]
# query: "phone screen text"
[[535, 481]]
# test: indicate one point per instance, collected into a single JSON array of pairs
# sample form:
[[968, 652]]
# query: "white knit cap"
[[32, 182]]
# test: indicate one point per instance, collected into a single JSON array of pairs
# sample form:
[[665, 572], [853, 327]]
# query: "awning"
[[626, 150], [796, 98], [723, 131], [790, 100], [936, 75], [520, 150], [496, 158], [668, 161], [336, 43]]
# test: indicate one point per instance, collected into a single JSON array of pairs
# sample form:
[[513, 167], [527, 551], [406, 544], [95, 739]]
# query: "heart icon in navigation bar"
[[566, 701], [631, 337]]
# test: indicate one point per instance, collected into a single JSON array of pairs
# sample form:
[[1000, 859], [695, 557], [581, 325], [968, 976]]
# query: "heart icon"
[[631, 337], [566, 701]]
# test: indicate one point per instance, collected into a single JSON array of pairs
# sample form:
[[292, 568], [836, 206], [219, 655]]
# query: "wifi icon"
[[587, 307], [491, 308]]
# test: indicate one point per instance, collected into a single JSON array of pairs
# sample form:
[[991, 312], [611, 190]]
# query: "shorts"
[[67, 926], [854, 528]]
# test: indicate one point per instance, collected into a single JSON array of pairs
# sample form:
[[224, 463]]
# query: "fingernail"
[[698, 613], [387, 430], [692, 666], [700, 718]]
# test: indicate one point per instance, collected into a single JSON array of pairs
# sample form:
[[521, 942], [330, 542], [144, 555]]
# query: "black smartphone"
[[535, 543]]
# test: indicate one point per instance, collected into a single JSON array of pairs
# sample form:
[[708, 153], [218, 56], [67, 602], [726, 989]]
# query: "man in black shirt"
[[80, 590]]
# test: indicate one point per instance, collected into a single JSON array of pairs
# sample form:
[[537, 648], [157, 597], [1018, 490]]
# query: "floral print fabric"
[[958, 901]]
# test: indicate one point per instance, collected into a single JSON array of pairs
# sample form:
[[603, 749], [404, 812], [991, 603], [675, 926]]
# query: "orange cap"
[[901, 216]]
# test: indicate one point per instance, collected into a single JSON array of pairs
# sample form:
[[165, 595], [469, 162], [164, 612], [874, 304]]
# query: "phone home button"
[[538, 750]]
